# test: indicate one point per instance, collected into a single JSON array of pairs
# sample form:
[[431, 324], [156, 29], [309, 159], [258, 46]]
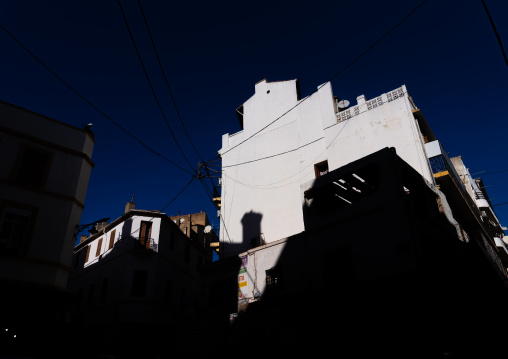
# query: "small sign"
[[242, 284]]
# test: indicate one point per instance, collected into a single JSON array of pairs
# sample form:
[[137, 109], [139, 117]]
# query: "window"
[[15, 225], [139, 283], [112, 238], [32, 167], [99, 247], [321, 168], [87, 253], [145, 234], [273, 278]]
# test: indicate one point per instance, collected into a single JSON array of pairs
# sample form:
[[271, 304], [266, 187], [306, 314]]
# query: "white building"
[[44, 173], [287, 141], [139, 271]]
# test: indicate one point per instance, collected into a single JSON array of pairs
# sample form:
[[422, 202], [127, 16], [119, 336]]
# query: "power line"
[[334, 76], [495, 31], [90, 103], [162, 209], [275, 155], [166, 80], [169, 90], [150, 84], [499, 204], [489, 173]]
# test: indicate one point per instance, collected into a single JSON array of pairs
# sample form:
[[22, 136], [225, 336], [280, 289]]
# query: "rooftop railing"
[[371, 104]]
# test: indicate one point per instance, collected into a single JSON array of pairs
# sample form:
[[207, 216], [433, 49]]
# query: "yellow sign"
[[242, 284]]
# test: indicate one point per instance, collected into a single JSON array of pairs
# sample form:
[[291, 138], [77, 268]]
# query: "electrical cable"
[[150, 84], [499, 204], [166, 80], [163, 208], [331, 78], [170, 92], [495, 32], [90, 103]]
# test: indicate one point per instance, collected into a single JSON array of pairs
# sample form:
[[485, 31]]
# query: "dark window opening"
[[139, 279], [33, 167], [14, 228], [321, 168], [274, 278]]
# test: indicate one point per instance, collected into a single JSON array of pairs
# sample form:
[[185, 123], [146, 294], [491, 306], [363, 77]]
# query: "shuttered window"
[[99, 246], [112, 238], [87, 253], [145, 234]]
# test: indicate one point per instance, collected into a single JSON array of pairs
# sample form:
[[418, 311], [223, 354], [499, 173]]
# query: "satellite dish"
[[343, 104], [208, 229]]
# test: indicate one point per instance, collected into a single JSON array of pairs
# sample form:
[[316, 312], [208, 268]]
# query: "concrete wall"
[[262, 176]]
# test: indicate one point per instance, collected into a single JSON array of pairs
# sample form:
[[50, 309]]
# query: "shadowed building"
[[44, 173], [137, 274]]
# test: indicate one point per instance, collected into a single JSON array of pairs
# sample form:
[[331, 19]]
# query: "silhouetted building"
[[46, 165], [380, 258], [197, 227]]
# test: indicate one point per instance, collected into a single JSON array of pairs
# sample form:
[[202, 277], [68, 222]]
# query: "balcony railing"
[[148, 244], [371, 104]]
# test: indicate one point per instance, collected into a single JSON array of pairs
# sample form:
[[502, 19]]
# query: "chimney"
[[130, 205], [83, 237]]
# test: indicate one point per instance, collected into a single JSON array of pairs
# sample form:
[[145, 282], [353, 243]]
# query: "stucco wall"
[[262, 176]]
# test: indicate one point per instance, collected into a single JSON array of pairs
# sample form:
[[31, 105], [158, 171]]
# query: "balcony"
[[145, 245]]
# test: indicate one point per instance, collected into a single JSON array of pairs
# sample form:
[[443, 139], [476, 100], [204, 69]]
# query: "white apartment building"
[[140, 270], [288, 141]]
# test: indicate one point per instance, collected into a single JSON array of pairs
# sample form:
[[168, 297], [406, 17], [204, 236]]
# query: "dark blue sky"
[[214, 52]]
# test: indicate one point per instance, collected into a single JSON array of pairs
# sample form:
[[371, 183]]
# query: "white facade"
[[282, 140]]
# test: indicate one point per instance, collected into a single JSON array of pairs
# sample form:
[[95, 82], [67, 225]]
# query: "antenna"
[[343, 104]]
